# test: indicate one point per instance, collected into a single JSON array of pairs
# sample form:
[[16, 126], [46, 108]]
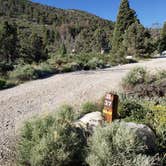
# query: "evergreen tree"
[[101, 38], [63, 50], [52, 36], [162, 41], [8, 43], [37, 47], [126, 17], [46, 36], [137, 41]]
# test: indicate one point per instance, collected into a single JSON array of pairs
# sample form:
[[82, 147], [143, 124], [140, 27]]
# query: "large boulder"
[[143, 133], [90, 121], [140, 132]]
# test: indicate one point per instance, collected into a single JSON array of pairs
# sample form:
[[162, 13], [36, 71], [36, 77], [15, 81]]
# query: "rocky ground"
[[36, 97]]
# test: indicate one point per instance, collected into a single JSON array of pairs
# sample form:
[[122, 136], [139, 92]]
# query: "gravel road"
[[35, 97]]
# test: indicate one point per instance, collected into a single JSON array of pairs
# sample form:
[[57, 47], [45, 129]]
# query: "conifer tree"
[[126, 17], [8, 42], [63, 50], [46, 36], [137, 41], [37, 48], [101, 38], [162, 42]]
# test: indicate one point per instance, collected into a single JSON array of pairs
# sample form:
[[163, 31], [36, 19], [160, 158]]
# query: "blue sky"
[[148, 11]]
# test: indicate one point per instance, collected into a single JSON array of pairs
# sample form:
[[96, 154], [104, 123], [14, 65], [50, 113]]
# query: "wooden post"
[[110, 107]]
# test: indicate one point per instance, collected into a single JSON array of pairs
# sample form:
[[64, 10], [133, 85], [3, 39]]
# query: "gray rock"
[[144, 133], [90, 121]]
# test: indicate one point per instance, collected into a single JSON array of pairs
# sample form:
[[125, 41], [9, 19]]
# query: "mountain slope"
[[72, 27]]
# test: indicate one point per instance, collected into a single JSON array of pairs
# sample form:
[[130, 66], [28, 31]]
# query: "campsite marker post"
[[110, 107]]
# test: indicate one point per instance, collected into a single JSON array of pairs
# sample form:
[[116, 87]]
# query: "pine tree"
[[163, 33], [101, 38], [137, 41], [162, 42], [37, 48], [63, 50], [126, 17], [46, 36], [8, 43]]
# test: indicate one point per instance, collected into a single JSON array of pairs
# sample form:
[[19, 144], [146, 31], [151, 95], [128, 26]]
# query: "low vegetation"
[[150, 112], [52, 139], [140, 82], [90, 107], [117, 145], [2, 83], [60, 64]]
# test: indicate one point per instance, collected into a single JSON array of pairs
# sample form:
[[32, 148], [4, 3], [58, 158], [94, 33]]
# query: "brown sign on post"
[[110, 107]]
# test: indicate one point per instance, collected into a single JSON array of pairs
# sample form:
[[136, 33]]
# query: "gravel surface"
[[33, 98]]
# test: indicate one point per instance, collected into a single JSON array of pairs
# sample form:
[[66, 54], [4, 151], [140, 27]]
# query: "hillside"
[[31, 34], [37, 41], [76, 29]]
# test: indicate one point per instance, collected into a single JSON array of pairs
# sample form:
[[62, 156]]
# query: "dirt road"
[[35, 97]]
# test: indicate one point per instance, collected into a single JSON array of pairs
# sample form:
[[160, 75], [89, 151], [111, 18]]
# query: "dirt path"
[[35, 97]]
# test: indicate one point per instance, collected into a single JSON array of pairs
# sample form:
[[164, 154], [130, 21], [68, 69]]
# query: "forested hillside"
[[32, 33], [74, 29], [38, 40]]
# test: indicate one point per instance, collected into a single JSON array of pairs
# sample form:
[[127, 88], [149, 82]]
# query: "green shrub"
[[6, 84], [161, 136], [75, 66], [93, 63], [157, 88], [44, 70], [139, 82], [23, 73], [147, 113], [157, 120], [161, 74], [116, 145], [137, 75], [160, 100], [144, 160], [52, 140], [65, 113], [88, 107], [66, 68], [101, 64], [10, 84], [132, 110], [5, 67], [2, 83]]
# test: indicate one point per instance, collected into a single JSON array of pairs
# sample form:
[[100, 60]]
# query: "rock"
[[90, 121], [143, 133]]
